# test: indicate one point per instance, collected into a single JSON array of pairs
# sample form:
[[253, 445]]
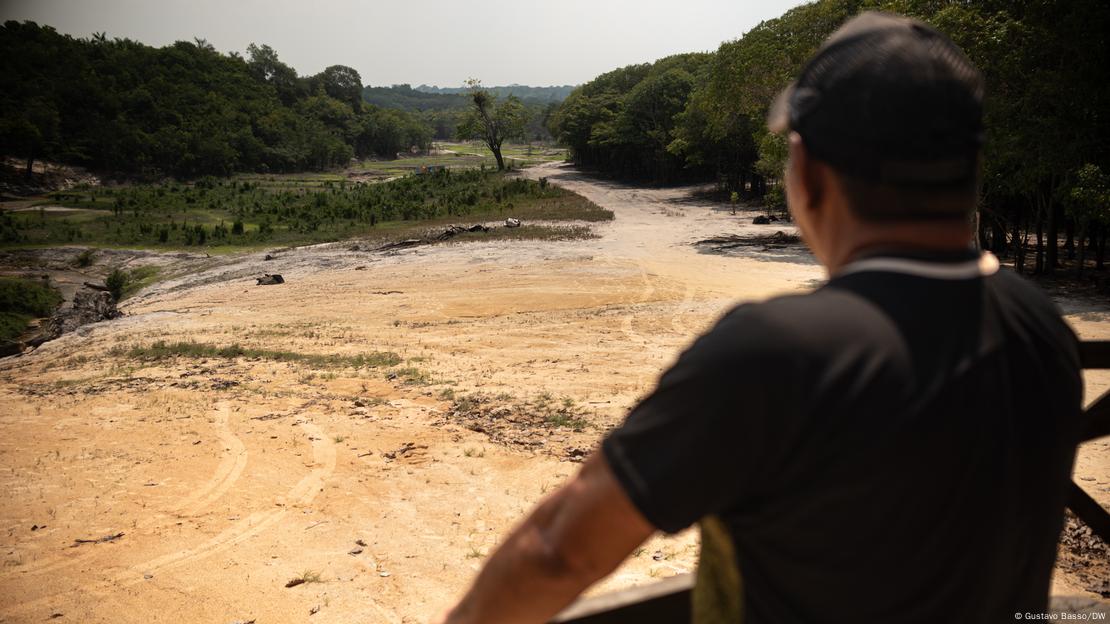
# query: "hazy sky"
[[439, 42]]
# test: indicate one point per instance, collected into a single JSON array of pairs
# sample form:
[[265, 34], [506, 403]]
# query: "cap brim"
[[778, 116]]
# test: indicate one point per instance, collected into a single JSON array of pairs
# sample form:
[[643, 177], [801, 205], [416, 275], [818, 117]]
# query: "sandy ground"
[[228, 478]]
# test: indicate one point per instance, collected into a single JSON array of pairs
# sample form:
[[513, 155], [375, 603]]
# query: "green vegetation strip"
[[162, 350], [216, 213], [22, 300]]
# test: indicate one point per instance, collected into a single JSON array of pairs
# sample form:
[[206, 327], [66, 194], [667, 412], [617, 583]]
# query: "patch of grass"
[[564, 419], [514, 421], [470, 451], [467, 404], [122, 284], [412, 376], [139, 278], [162, 350], [310, 576], [22, 300]]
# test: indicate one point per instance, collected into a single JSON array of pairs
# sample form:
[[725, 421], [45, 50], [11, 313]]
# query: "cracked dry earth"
[[382, 488]]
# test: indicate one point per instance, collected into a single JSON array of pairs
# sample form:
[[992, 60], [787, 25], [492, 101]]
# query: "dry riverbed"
[[385, 419]]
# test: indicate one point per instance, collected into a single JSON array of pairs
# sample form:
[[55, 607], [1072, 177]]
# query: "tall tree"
[[344, 84], [491, 121]]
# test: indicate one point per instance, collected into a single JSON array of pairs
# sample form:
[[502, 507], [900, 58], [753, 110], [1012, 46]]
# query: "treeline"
[[702, 116], [442, 109], [184, 109]]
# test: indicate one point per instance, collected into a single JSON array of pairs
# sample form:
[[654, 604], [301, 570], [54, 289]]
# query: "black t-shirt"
[[894, 447]]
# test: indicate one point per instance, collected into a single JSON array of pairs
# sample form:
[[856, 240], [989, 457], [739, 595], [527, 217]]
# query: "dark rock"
[[575, 454], [89, 306], [269, 279], [761, 220]]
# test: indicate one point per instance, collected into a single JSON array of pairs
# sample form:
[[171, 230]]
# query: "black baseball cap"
[[888, 99]]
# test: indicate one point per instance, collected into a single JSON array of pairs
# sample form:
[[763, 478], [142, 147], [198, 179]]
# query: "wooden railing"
[[668, 601]]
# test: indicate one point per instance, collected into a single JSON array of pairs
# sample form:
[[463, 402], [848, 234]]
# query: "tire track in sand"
[[232, 462], [305, 490], [323, 455], [645, 293], [680, 326]]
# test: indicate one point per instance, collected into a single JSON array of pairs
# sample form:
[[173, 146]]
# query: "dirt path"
[[228, 478]]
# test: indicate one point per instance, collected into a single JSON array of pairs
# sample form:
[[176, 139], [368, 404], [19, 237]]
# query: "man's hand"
[[572, 539]]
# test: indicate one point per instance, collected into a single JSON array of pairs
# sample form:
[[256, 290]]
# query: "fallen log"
[[412, 242], [99, 540]]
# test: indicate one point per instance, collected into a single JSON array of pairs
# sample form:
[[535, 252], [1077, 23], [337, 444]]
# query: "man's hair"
[[885, 202]]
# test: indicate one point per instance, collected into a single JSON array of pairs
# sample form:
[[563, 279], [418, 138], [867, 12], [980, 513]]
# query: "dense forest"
[[185, 109], [702, 116]]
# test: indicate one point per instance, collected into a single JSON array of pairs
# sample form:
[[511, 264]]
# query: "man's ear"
[[807, 172]]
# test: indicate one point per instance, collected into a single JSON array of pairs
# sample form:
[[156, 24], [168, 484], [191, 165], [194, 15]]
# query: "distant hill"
[[404, 97], [524, 92], [427, 98]]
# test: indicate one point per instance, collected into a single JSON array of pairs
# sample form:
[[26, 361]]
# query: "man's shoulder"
[[1013, 290], [820, 311], [1030, 314], [793, 326]]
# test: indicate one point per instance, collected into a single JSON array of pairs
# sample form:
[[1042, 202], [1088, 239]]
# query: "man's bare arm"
[[572, 539]]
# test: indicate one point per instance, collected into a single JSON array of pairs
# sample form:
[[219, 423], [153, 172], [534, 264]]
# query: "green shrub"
[[775, 198], [22, 300], [86, 258], [27, 297], [12, 325], [116, 282]]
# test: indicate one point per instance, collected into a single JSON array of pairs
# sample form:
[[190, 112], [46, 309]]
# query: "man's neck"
[[867, 239]]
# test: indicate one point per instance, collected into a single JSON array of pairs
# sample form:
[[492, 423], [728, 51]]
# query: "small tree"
[[31, 133], [490, 121]]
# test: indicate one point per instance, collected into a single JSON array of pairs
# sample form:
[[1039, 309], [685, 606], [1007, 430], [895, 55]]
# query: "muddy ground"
[[213, 482]]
